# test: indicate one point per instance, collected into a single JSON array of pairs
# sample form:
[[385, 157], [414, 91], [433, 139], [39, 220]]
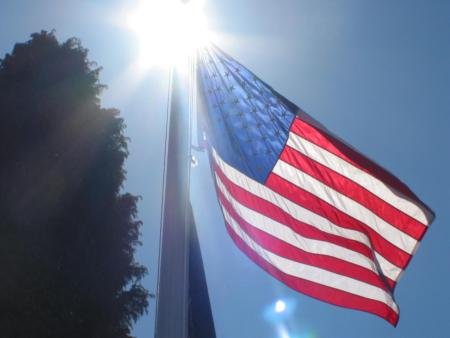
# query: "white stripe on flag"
[[367, 181], [295, 210], [312, 273], [301, 214], [389, 270], [286, 234], [346, 205]]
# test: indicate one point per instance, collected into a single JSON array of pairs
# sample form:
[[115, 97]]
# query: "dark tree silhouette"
[[67, 232]]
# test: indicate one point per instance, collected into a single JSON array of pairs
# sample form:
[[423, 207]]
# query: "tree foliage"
[[67, 231]]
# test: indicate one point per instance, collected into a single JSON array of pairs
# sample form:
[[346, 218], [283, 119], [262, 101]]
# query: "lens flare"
[[280, 306]]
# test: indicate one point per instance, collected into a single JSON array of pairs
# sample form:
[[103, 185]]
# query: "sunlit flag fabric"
[[306, 207]]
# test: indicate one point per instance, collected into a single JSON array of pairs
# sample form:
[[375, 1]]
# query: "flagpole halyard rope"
[[188, 220]]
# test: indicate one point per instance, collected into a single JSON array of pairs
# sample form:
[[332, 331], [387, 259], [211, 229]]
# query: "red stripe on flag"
[[301, 197], [340, 149], [315, 290], [276, 213], [354, 191], [286, 250]]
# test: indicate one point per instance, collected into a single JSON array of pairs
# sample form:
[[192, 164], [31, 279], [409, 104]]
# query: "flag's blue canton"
[[246, 121]]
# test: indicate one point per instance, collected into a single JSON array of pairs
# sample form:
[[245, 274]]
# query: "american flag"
[[307, 208]]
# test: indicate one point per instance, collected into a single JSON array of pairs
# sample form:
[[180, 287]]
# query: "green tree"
[[67, 232]]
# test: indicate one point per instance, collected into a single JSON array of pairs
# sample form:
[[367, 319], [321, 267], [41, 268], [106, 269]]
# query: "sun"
[[168, 31]]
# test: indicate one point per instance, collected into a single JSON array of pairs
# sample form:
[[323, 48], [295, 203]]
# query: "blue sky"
[[376, 73]]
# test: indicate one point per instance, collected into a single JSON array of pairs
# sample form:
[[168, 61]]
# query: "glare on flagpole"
[[168, 31]]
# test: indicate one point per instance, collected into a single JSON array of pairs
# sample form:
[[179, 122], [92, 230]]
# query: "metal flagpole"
[[173, 279], [183, 308]]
